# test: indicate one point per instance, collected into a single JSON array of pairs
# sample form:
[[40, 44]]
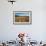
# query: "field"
[[22, 19]]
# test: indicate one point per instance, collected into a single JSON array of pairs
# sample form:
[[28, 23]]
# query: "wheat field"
[[22, 19]]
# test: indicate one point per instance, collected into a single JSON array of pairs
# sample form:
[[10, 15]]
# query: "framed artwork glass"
[[22, 17]]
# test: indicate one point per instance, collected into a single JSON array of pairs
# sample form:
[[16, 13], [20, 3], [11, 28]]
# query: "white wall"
[[9, 31]]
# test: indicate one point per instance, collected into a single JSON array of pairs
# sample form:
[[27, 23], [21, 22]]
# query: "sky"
[[22, 14]]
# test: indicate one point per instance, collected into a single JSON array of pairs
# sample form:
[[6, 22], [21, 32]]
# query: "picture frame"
[[22, 17]]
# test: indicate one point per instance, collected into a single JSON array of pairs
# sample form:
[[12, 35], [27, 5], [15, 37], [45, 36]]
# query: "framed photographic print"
[[22, 17]]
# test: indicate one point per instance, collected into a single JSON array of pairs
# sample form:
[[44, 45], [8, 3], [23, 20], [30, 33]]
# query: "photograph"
[[22, 17]]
